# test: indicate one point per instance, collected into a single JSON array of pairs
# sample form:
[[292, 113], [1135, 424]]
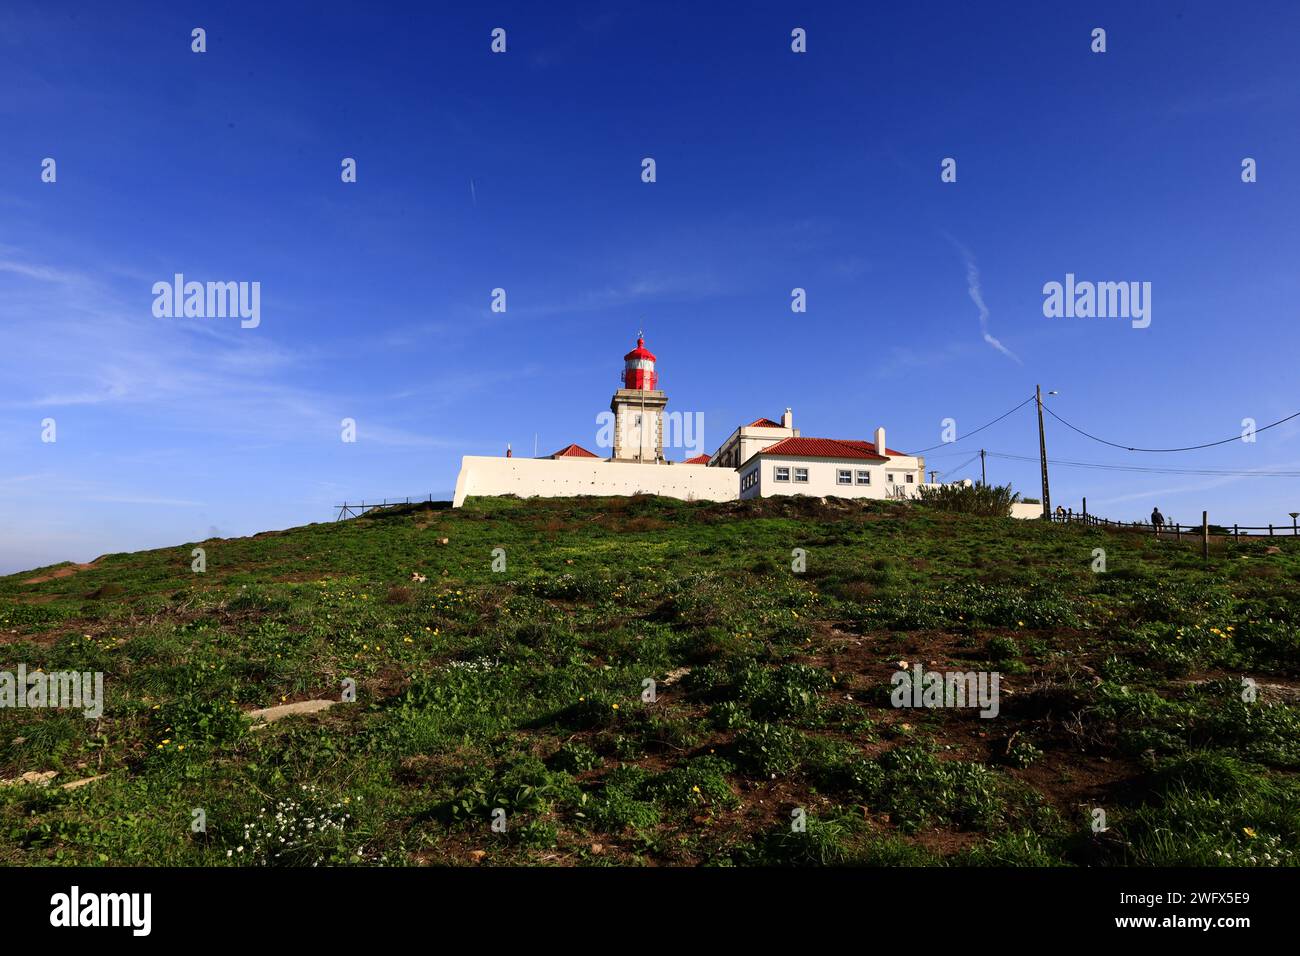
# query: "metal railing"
[[357, 509]]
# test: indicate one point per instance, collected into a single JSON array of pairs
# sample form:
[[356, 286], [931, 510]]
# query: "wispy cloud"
[[976, 292]]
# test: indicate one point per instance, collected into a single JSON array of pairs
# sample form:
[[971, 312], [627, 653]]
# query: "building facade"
[[763, 458], [823, 467]]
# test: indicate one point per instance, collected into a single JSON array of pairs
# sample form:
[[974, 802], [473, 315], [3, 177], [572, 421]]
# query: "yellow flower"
[[616, 706], [1249, 831], [695, 789]]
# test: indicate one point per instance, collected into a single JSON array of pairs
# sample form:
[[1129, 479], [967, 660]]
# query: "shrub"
[[989, 500], [768, 750], [576, 758]]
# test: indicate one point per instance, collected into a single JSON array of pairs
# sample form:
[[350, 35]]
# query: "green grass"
[[527, 692]]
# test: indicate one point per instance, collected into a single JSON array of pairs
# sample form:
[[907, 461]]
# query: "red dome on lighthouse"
[[639, 368]]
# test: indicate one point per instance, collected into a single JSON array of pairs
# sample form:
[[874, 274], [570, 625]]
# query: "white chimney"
[[787, 420], [880, 440]]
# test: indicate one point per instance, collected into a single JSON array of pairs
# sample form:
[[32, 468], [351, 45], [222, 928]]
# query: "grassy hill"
[[522, 690]]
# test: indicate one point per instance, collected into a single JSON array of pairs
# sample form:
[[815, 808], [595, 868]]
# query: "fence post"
[[1205, 534], [1236, 534], [1085, 509], [1178, 532], [1270, 531]]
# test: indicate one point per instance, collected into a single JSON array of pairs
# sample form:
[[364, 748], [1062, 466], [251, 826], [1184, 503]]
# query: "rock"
[[33, 778], [443, 540], [598, 848], [477, 855], [76, 784], [272, 714]]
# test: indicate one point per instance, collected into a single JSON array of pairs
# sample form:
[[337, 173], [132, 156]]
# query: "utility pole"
[[932, 474], [984, 480], [1042, 455]]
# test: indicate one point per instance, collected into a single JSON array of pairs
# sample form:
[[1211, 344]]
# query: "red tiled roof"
[[764, 423], [826, 448], [573, 451], [697, 460]]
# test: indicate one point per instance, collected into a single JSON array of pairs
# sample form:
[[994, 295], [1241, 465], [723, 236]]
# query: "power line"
[[1209, 444], [980, 429], [945, 474], [1104, 466]]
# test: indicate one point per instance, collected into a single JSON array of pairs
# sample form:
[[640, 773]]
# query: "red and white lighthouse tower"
[[638, 409], [639, 368]]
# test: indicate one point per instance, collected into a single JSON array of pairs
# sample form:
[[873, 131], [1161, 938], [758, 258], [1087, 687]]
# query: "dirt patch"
[[62, 571]]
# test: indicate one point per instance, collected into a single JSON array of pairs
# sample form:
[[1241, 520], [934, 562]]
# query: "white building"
[[831, 466], [747, 440], [759, 459]]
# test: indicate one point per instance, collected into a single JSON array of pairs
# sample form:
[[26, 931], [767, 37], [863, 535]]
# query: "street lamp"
[[1294, 515]]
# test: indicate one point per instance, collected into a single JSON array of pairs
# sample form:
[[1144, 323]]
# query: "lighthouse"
[[638, 409]]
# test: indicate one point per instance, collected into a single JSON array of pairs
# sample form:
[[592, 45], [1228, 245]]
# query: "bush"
[[989, 500], [768, 750]]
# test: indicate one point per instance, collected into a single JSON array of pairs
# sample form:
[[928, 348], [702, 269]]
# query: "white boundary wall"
[[1022, 510], [569, 477]]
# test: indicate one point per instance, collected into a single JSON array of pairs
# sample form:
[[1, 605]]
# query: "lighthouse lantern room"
[[639, 368], [638, 409]]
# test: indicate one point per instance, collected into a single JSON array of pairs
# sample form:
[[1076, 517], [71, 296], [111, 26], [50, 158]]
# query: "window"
[[782, 473], [801, 474], [864, 477], [911, 479], [844, 476], [890, 477]]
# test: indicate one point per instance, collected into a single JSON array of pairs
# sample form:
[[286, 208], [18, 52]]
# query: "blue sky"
[[522, 171]]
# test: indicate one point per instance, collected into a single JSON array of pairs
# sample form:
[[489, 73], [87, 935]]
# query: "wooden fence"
[[1175, 530]]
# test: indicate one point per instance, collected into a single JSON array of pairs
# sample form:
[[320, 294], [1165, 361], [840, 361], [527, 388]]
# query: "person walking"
[[1157, 520]]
